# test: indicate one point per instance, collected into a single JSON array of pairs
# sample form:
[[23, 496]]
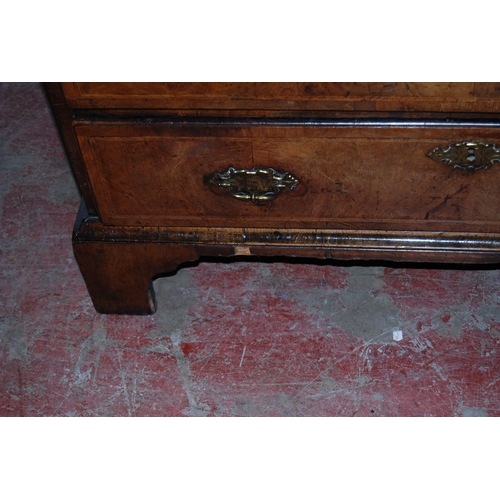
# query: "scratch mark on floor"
[[243, 355], [364, 345]]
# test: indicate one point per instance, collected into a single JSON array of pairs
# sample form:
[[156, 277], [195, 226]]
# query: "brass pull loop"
[[256, 185], [470, 156]]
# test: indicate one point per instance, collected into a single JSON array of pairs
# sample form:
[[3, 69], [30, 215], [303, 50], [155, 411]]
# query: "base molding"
[[119, 263], [452, 246]]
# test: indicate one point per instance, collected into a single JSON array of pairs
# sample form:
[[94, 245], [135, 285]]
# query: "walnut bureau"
[[169, 172]]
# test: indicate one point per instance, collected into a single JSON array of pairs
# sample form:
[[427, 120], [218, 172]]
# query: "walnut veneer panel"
[[350, 177], [424, 97]]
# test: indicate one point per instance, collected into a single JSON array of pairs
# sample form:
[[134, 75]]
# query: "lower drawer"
[[295, 175]]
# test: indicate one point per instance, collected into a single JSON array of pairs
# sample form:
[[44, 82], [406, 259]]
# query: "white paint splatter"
[[397, 335]]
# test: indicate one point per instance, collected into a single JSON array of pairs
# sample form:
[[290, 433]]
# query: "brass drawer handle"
[[255, 185], [470, 156]]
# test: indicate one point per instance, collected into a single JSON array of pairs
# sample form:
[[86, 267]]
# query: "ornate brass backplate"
[[256, 185], [470, 156]]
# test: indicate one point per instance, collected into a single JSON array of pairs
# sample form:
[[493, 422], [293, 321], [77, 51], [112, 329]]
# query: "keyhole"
[[472, 154]]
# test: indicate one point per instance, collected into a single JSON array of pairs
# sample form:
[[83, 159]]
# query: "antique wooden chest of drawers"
[[170, 172]]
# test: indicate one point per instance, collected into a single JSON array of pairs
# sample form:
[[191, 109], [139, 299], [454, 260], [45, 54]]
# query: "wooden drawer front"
[[363, 177], [420, 96]]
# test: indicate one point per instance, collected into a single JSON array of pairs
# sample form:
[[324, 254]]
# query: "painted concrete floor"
[[236, 338]]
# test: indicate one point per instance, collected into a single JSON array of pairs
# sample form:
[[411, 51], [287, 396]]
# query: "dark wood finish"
[[64, 118], [119, 275], [119, 263], [145, 156], [352, 97], [418, 246], [350, 177]]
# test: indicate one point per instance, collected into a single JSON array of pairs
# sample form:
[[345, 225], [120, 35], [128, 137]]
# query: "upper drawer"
[[298, 176], [342, 97]]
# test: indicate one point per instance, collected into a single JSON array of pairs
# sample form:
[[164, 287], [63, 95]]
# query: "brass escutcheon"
[[256, 185], [470, 156]]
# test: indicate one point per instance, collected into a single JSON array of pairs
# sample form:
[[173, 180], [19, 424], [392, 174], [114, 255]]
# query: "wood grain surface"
[[439, 97], [350, 177]]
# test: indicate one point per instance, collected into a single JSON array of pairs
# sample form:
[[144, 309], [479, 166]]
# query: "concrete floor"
[[236, 338]]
